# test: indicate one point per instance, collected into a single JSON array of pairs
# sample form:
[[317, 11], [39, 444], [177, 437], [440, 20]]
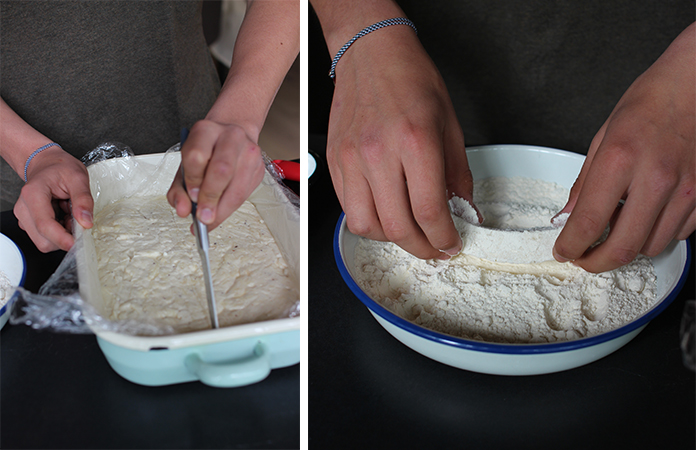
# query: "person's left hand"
[[644, 154], [57, 191], [222, 167]]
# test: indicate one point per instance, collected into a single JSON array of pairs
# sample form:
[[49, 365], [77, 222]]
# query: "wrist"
[[19, 153], [19, 139], [244, 101], [38, 159], [388, 50], [397, 21], [251, 128], [35, 153], [340, 21], [20, 148]]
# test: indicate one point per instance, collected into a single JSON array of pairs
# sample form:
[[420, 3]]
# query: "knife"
[[200, 230]]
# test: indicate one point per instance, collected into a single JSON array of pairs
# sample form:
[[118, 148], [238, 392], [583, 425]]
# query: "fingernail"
[[180, 209], [87, 216], [560, 219], [193, 194], [206, 215], [454, 251], [558, 257], [479, 216]]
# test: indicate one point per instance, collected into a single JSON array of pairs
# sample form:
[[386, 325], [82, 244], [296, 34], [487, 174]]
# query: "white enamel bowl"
[[13, 265], [558, 166]]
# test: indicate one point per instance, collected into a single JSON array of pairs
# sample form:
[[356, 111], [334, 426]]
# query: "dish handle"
[[236, 373]]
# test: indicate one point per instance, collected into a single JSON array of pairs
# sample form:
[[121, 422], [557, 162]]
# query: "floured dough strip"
[[512, 247], [555, 269]]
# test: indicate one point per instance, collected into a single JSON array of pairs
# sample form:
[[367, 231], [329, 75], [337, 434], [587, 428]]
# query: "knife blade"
[[200, 230]]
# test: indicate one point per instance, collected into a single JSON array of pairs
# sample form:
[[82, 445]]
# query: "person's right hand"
[[56, 180], [222, 167], [395, 147]]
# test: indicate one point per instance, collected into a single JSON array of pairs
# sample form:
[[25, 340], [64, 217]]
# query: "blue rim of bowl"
[[487, 347], [21, 280]]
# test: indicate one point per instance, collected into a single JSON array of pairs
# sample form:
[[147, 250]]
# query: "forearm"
[[342, 19], [267, 44], [17, 138], [678, 61]]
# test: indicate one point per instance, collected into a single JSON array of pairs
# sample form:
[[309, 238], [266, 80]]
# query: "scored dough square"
[[150, 269]]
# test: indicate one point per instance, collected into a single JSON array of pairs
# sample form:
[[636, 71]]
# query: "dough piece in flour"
[[500, 245], [485, 300]]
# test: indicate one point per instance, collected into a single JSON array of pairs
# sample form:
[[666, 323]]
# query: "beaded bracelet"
[[368, 30], [36, 152]]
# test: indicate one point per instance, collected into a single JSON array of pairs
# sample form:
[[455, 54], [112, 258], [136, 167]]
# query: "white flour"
[[6, 289], [505, 286]]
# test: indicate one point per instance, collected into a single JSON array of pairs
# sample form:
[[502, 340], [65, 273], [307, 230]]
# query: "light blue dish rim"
[[486, 347], [21, 281]]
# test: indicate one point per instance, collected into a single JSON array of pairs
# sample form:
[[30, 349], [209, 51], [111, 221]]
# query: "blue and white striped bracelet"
[[368, 30], [36, 152]]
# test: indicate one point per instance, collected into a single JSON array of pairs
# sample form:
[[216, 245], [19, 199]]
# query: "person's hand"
[[644, 154], [395, 148], [222, 167], [57, 181]]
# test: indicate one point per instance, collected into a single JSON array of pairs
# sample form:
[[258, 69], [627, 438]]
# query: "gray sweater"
[[83, 73]]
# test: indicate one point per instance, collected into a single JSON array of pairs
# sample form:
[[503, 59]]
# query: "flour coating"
[[6, 289], [149, 266], [514, 299]]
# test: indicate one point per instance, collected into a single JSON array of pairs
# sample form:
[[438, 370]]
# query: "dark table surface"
[[367, 390], [58, 391]]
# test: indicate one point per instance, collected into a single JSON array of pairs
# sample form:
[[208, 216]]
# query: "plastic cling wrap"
[[71, 300]]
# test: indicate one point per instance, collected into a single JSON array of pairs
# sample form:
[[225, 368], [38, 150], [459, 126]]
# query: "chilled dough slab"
[[149, 267]]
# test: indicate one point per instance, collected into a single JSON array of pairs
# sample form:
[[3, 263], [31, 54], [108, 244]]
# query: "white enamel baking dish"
[[225, 357], [557, 166]]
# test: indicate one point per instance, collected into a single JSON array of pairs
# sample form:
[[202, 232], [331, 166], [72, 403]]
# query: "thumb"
[[580, 180], [459, 179], [82, 202]]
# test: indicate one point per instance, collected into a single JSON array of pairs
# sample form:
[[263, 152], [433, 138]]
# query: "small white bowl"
[[558, 166], [13, 265]]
